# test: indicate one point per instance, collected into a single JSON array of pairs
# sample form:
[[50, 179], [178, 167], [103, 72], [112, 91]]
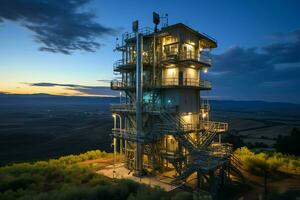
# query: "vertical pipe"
[[154, 58], [115, 144], [139, 102], [121, 140]]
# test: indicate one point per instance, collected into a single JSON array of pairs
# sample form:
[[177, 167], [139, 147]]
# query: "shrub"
[[289, 144], [62, 179], [271, 161]]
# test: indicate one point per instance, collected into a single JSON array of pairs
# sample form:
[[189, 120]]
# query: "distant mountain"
[[47, 99], [255, 106], [217, 105]]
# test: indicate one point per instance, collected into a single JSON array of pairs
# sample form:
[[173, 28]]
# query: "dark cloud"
[[268, 72], [58, 25], [88, 90]]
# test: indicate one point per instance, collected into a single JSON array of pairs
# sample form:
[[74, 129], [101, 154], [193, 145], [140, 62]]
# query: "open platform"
[[154, 181]]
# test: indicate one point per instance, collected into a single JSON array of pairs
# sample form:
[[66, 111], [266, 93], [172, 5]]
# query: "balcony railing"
[[152, 108], [119, 85], [144, 31], [122, 62], [203, 84], [186, 56], [216, 126], [122, 107], [167, 82], [130, 134]]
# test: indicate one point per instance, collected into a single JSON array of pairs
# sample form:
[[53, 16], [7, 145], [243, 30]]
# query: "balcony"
[[130, 135], [148, 108], [166, 83], [130, 64], [189, 82], [186, 56], [119, 85], [218, 127], [121, 107], [145, 31]]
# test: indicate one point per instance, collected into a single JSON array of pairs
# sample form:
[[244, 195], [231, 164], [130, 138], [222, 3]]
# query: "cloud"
[[260, 72], [277, 83], [58, 25], [80, 89], [287, 66]]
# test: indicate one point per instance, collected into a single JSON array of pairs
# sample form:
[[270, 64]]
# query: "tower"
[[166, 123]]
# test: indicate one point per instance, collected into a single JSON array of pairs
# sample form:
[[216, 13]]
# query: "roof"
[[210, 40]]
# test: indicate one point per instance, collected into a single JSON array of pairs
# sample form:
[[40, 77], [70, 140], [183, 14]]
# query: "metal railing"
[[131, 135], [147, 59], [144, 31], [120, 85], [204, 84], [151, 108], [122, 107], [216, 126], [186, 55]]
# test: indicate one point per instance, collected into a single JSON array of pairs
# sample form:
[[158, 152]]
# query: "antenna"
[[156, 20], [117, 44], [165, 20], [135, 26]]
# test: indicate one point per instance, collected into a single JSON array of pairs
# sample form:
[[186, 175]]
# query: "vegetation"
[[234, 138], [289, 144], [271, 161], [64, 179]]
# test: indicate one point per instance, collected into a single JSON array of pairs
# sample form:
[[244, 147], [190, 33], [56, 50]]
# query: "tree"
[[289, 144]]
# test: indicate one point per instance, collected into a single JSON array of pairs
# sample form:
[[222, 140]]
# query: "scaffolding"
[[166, 122]]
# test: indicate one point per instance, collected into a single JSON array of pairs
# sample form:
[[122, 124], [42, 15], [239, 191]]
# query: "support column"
[[139, 104]]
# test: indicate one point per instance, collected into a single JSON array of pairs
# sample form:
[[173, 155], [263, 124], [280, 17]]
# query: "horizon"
[[118, 97], [257, 58]]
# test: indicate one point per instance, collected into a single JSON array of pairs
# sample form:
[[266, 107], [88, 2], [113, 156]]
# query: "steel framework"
[[167, 127]]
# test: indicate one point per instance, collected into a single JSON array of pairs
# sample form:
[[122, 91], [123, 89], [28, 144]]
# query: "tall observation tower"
[[163, 125]]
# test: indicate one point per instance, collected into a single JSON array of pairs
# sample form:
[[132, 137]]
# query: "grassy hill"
[[66, 179]]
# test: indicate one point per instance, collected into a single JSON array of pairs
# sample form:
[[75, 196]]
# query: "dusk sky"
[[66, 47]]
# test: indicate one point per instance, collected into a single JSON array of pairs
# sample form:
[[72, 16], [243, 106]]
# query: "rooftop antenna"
[[156, 20], [135, 26], [165, 20], [117, 44]]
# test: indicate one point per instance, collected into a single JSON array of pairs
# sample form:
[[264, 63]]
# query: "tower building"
[[163, 123]]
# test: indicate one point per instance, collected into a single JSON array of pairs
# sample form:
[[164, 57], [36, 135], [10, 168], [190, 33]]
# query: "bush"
[[62, 179], [289, 144], [271, 161]]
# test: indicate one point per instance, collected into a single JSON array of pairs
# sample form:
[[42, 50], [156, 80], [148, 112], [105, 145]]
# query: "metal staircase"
[[236, 166], [175, 127], [201, 160]]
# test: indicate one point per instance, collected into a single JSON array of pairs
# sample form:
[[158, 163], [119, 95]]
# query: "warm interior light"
[[169, 66]]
